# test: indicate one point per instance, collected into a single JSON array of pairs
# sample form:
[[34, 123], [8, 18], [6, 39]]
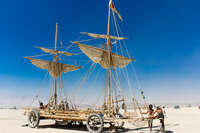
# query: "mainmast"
[[56, 60], [106, 58], [109, 61]]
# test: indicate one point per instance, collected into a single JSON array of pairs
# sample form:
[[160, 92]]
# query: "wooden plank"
[[64, 118]]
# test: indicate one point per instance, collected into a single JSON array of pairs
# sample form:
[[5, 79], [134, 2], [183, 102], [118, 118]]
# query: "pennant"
[[112, 6]]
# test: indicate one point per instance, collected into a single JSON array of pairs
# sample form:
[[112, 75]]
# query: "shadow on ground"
[[105, 130], [78, 128], [71, 127], [156, 130], [167, 131]]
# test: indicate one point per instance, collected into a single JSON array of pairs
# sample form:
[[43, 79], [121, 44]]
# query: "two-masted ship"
[[110, 113]]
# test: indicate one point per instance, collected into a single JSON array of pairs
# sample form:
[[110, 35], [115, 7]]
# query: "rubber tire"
[[88, 126], [37, 119]]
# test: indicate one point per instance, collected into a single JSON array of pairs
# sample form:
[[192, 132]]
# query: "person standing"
[[160, 115], [150, 112]]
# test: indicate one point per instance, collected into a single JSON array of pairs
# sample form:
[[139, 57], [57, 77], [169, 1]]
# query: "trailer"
[[95, 120]]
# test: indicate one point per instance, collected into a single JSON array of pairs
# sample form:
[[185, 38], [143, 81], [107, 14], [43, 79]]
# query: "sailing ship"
[[110, 111]]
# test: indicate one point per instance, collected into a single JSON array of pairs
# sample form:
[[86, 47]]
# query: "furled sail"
[[55, 69], [100, 56], [103, 36], [51, 51]]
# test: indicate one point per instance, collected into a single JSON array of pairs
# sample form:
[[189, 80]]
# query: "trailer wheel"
[[33, 119], [94, 123]]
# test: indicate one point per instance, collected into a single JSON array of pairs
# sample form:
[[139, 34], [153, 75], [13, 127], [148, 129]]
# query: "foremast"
[[55, 68]]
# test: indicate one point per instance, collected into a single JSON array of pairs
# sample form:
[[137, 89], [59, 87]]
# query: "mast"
[[56, 35], [109, 61], [54, 68], [56, 60]]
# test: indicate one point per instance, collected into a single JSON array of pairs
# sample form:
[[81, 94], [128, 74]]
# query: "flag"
[[61, 43], [112, 6], [142, 94]]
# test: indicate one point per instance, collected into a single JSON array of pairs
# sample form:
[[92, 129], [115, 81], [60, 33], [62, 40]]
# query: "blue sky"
[[164, 38]]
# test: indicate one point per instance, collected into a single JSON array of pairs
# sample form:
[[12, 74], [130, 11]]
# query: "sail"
[[51, 51], [55, 69], [100, 56], [103, 36]]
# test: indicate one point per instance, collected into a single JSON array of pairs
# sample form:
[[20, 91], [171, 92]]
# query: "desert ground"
[[184, 120]]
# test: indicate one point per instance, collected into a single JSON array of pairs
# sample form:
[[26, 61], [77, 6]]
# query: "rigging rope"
[[38, 55], [37, 92], [126, 72], [82, 81], [127, 77], [133, 68], [88, 78]]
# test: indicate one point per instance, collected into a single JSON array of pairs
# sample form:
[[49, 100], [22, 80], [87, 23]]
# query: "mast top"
[[56, 35]]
